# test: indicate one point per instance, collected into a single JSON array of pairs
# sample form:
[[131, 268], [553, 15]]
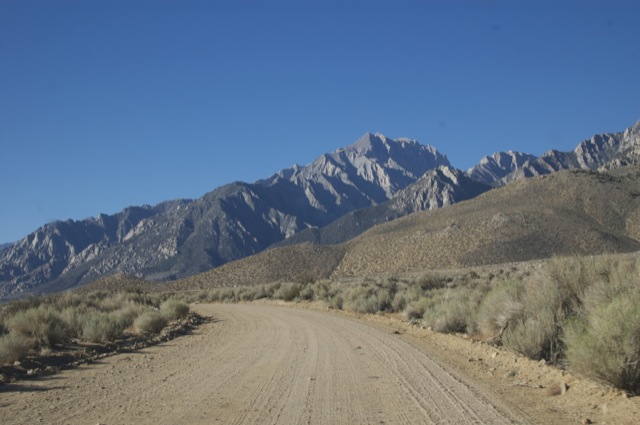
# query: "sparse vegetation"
[[583, 313], [36, 325]]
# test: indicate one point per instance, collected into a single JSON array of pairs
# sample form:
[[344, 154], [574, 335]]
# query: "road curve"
[[261, 364]]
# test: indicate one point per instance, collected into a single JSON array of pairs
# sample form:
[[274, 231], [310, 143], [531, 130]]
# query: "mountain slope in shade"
[[181, 238]]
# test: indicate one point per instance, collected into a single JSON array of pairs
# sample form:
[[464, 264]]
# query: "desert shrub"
[[151, 321], [501, 306], [260, 293], [368, 298], [335, 301], [288, 292], [533, 335], [226, 295], [65, 300], [42, 324], [102, 327], [452, 309], [306, 293], [173, 309], [202, 296], [412, 313], [526, 315], [606, 345], [416, 309], [432, 281], [212, 296], [603, 338], [399, 302], [243, 294], [130, 311], [13, 347], [321, 288], [74, 318]]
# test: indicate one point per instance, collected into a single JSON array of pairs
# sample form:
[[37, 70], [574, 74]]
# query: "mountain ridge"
[[183, 237], [601, 152], [335, 198]]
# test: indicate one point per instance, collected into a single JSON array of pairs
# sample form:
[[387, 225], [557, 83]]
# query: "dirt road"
[[261, 364]]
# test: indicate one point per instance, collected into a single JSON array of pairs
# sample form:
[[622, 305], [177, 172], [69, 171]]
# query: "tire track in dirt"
[[261, 364]]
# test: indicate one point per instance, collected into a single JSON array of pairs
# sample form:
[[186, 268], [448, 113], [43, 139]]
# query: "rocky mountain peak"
[[375, 179], [494, 168], [600, 152]]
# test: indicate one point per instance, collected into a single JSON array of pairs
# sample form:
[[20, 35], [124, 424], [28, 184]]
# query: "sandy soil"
[[268, 364]]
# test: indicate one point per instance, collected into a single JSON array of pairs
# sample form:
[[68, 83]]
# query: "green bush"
[[151, 321]]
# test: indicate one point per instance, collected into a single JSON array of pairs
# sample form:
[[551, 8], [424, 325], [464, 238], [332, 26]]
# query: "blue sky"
[[105, 104]]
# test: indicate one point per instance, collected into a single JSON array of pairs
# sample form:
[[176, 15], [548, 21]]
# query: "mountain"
[[494, 168], [5, 246], [180, 238], [437, 188], [566, 213], [373, 181], [600, 152]]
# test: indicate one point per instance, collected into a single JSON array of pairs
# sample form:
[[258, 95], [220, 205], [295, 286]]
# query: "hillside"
[[566, 213]]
